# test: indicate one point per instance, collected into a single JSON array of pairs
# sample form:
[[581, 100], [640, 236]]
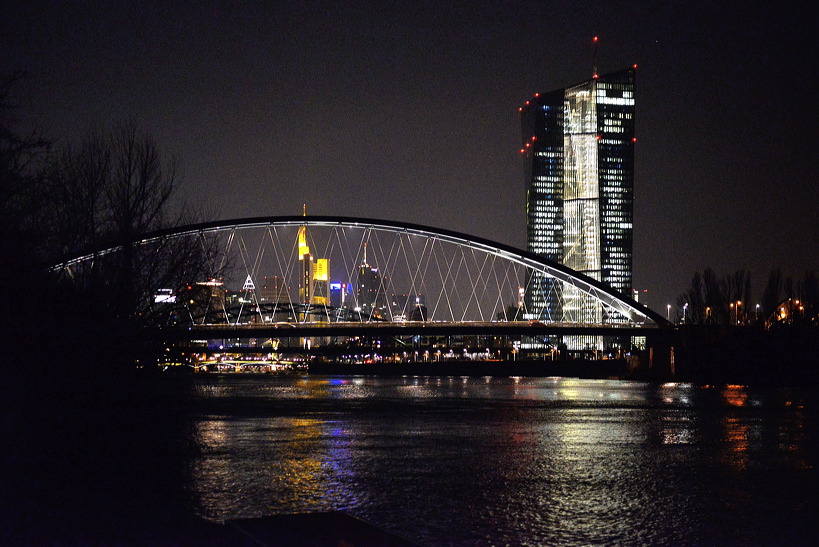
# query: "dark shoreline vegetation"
[[95, 444], [96, 451]]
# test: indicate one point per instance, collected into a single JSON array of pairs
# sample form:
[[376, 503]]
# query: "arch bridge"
[[332, 280]]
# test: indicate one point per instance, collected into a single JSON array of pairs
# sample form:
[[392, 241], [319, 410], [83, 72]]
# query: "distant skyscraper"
[[275, 290], [339, 294], [578, 145], [306, 269], [371, 297]]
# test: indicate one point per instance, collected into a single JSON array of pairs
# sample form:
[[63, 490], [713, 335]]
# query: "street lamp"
[[757, 312], [668, 312], [685, 307]]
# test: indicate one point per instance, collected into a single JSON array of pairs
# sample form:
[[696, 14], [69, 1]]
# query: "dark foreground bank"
[[331, 529], [321, 529]]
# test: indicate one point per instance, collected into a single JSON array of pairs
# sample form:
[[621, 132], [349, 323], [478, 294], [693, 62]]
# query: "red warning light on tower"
[[594, 58]]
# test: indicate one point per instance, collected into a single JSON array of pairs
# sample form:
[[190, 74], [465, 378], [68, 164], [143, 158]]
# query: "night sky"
[[409, 111]]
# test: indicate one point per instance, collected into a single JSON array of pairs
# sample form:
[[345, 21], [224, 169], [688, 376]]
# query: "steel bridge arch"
[[629, 308]]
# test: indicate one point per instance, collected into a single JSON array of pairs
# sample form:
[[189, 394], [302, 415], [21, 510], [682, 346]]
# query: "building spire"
[[304, 249], [594, 58]]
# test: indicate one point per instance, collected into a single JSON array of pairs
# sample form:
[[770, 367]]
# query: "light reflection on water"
[[513, 460]]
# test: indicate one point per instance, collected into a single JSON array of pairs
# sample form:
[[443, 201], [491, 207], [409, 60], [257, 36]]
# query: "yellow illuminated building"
[[321, 282], [306, 259], [314, 285]]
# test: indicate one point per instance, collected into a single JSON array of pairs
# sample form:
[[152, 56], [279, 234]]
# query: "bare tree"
[[810, 289], [711, 300], [714, 298], [695, 298], [21, 182], [74, 336], [111, 191], [77, 181], [773, 290]]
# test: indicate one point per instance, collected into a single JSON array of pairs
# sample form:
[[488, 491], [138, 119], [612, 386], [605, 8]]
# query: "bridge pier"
[[657, 362]]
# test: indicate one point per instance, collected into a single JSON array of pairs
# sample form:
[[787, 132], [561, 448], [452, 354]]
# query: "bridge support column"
[[660, 349]]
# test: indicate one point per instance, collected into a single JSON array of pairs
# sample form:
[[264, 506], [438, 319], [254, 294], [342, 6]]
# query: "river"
[[521, 461]]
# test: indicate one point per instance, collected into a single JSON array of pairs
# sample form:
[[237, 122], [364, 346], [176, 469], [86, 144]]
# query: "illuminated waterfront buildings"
[[578, 145]]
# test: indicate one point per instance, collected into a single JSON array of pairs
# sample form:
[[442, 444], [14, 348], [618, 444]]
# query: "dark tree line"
[[58, 202], [779, 289], [111, 190], [711, 299], [728, 300]]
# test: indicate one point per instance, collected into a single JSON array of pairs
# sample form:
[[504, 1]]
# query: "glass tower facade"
[[542, 122], [578, 145]]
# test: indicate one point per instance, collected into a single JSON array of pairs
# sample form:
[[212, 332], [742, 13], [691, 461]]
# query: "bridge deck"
[[412, 328]]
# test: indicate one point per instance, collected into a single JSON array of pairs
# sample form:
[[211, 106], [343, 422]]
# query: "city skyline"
[[410, 112]]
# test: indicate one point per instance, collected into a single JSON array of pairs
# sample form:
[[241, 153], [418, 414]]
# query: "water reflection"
[[678, 428], [507, 460], [735, 395], [256, 466]]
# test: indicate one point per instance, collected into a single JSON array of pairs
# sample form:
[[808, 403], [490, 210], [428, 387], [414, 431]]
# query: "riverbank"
[[749, 355], [700, 354]]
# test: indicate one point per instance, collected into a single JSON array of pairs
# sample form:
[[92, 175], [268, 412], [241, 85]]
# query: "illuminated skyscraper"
[[578, 145], [371, 297], [321, 282], [314, 282], [306, 262]]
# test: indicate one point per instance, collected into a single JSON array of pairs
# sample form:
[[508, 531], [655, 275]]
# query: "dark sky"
[[409, 111]]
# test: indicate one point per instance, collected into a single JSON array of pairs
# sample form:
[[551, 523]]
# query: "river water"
[[520, 461]]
